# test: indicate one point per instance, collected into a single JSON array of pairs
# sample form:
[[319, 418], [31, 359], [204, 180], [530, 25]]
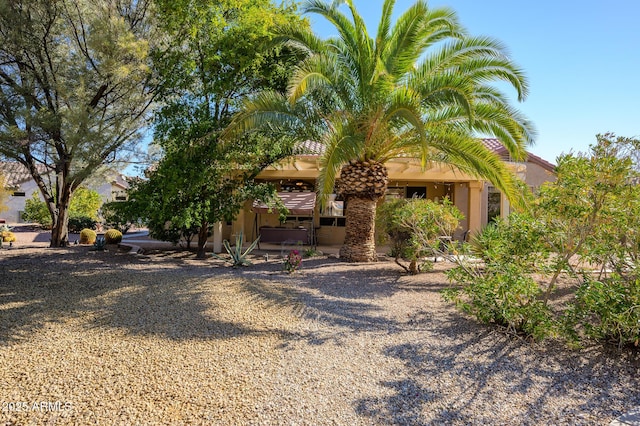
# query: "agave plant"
[[236, 256], [100, 244]]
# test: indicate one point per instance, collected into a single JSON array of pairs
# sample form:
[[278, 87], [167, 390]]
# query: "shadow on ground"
[[142, 295]]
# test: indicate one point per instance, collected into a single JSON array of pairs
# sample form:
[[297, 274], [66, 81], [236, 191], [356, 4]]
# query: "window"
[[18, 194], [416, 192], [494, 204]]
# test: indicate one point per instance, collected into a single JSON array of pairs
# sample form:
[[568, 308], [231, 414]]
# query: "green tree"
[[420, 88], [213, 60], [85, 202], [75, 87], [200, 184], [589, 210]]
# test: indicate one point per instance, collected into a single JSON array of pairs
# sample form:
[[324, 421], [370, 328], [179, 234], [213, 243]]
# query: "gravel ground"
[[113, 338]]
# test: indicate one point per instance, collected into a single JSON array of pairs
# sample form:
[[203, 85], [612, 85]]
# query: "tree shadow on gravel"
[[468, 373], [106, 290], [342, 299]]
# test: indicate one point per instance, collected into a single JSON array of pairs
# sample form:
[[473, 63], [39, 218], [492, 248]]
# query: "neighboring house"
[[476, 199], [22, 186]]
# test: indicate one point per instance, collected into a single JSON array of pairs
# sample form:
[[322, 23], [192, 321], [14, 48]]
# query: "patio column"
[[505, 207], [475, 206], [217, 237]]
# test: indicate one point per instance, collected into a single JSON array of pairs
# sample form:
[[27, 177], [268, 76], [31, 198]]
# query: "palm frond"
[[471, 156], [342, 144]]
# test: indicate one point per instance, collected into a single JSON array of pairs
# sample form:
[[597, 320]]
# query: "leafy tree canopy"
[[214, 57], [75, 86]]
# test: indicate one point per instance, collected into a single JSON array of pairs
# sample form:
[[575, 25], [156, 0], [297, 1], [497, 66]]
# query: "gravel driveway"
[[104, 338]]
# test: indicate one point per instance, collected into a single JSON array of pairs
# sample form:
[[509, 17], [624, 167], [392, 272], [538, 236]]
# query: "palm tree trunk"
[[359, 242]]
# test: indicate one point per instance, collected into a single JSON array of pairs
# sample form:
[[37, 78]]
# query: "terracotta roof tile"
[[496, 146], [15, 173], [312, 148]]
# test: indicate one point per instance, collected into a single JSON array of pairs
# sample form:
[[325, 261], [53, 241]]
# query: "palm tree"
[[421, 88]]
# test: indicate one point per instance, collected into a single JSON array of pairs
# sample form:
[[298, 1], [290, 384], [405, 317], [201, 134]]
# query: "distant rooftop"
[[496, 146], [15, 173]]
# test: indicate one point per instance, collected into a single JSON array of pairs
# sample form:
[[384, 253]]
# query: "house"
[[110, 185], [295, 179]]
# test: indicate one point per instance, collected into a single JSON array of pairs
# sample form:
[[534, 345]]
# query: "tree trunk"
[[361, 183], [60, 229], [359, 242], [203, 234]]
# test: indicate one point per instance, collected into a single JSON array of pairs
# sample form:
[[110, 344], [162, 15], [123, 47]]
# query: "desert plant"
[[293, 262], [87, 236], [236, 256], [100, 244], [502, 289], [113, 236], [413, 227], [605, 310], [7, 236]]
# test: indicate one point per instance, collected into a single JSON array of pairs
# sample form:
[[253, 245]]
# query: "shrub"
[[504, 295], [293, 262], [87, 236], [79, 222], [413, 227], [502, 290], [606, 310], [36, 211], [113, 236], [120, 215]]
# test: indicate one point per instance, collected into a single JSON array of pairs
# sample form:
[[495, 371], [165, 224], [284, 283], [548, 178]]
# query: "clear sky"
[[582, 59]]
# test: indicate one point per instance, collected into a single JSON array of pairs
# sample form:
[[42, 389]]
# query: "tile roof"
[[496, 146], [121, 181], [309, 148], [312, 148], [15, 173]]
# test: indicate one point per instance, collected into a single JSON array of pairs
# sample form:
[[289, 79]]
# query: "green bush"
[[606, 310], [501, 289], [113, 236], [85, 202], [413, 228], [120, 215], [87, 236], [36, 211], [505, 295], [77, 223]]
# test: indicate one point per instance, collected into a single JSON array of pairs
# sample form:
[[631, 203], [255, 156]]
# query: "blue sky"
[[582, 60]]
